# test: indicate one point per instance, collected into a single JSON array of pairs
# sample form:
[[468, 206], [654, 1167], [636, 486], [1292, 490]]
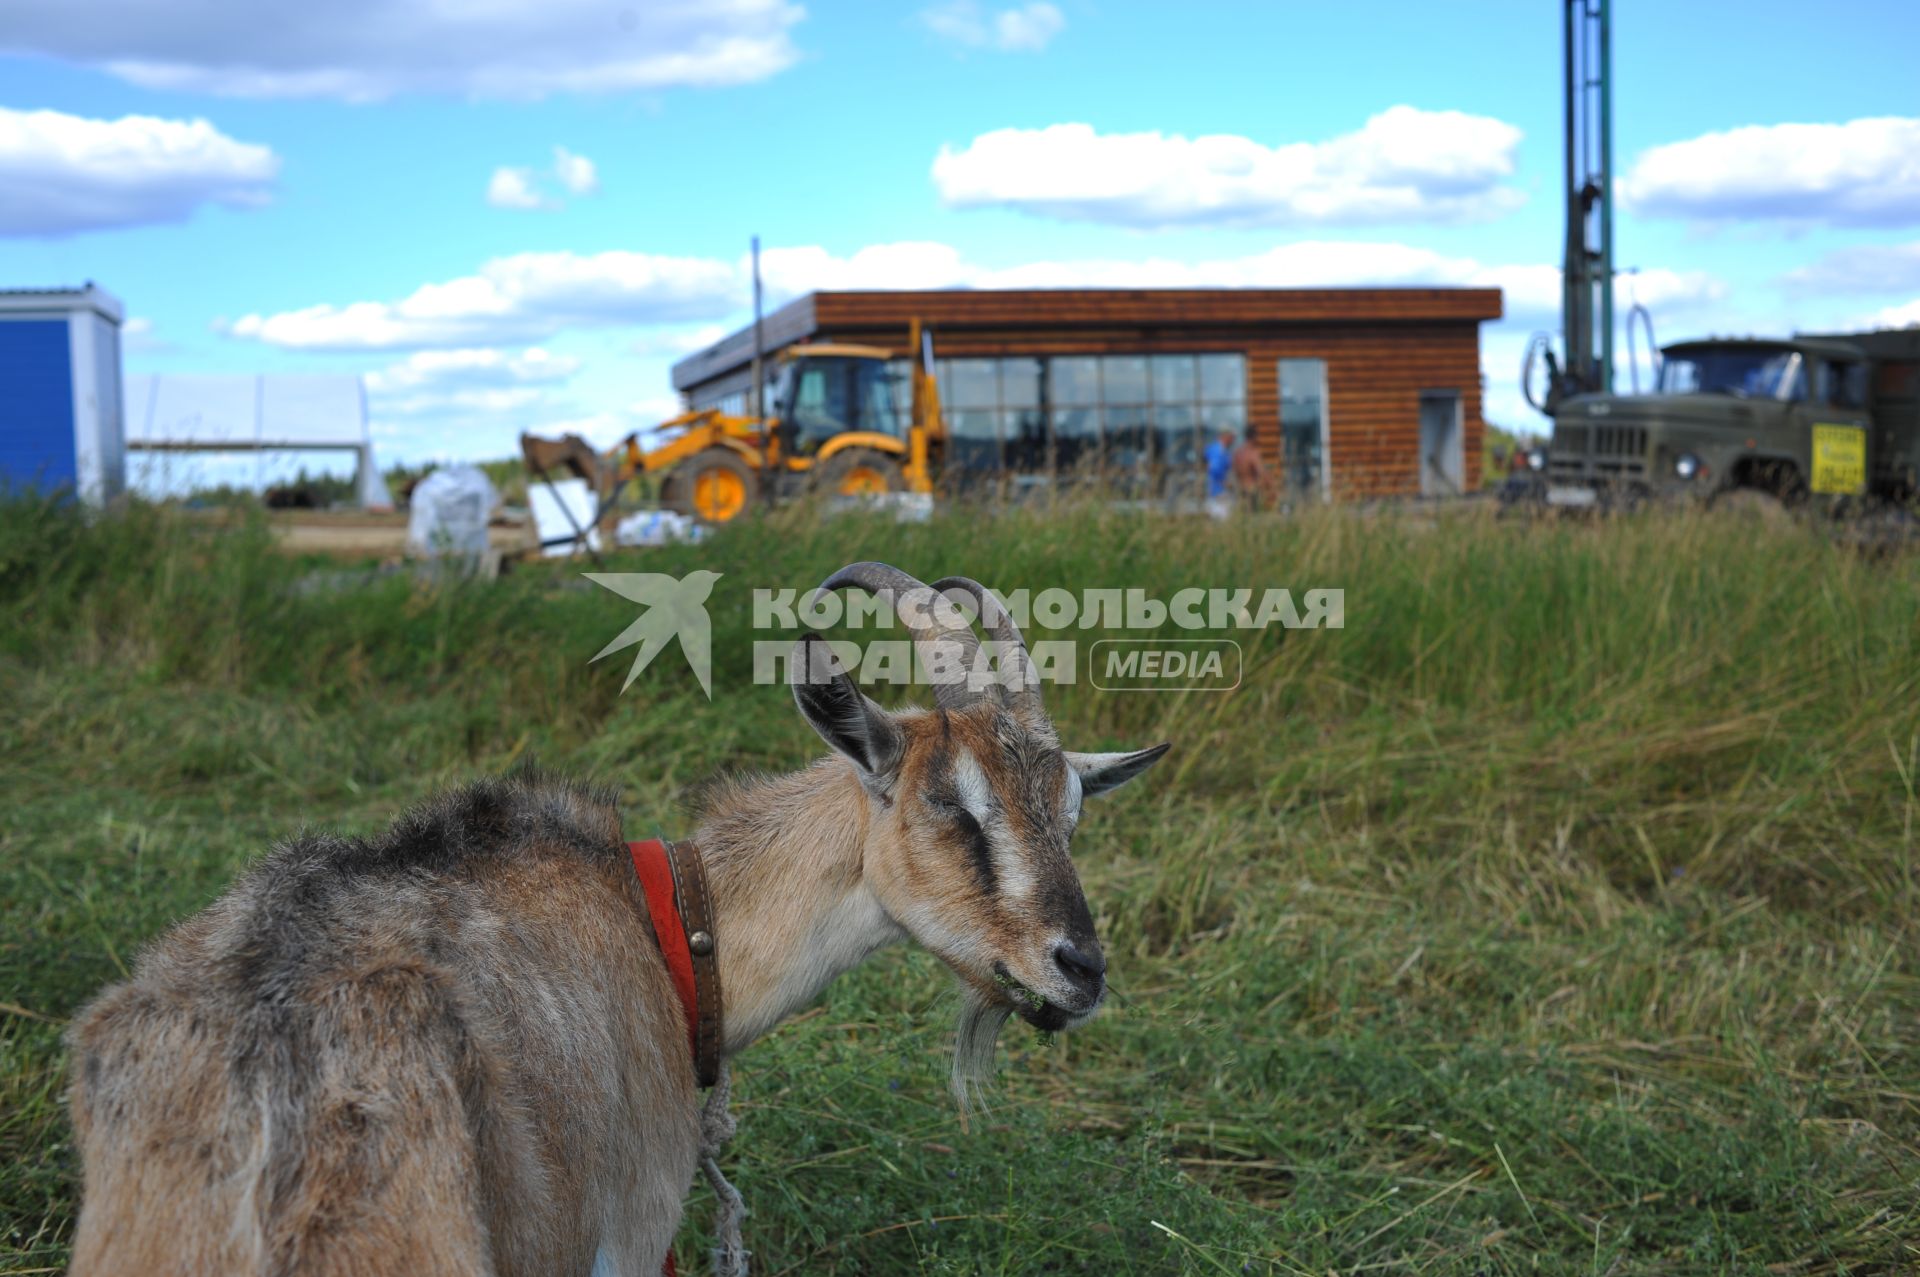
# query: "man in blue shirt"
[[1219, 465]]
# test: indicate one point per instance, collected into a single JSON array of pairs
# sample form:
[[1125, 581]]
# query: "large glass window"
[[1123, 380], [1303, 409], [1129, 443], [994, 415], [1126, 403], [1023, 419], [973, 442], [970, 383], [1223, 378], [1128, 415], [1076, 438], [1020, 383], [1073, 380], [1174, 379]]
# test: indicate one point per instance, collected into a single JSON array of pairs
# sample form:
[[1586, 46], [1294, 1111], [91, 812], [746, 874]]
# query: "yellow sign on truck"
[[1839, 458]]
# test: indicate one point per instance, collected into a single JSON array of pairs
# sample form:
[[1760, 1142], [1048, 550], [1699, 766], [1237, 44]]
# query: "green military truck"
[[1833, 418]]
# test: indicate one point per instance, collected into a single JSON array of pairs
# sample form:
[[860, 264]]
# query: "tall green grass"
[[1553, 915]]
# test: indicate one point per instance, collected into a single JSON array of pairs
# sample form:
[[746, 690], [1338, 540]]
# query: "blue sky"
[[518, 216]]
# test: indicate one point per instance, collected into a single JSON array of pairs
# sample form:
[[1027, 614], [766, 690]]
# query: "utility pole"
[[759, 395]]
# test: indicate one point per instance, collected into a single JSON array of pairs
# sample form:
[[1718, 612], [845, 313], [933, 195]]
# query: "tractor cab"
[[823, 391]]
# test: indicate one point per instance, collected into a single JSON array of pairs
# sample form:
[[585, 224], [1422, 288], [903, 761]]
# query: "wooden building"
[[1349, 392]]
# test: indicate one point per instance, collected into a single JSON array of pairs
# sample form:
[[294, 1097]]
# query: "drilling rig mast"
[[1586, 302]]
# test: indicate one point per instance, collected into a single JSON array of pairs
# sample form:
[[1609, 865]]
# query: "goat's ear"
[[1100, 772], [845, 718]]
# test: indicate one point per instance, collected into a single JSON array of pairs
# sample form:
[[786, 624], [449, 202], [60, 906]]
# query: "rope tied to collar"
[[716, 1128]]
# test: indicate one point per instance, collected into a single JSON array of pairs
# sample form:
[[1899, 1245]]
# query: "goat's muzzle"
[[1043, 1012]]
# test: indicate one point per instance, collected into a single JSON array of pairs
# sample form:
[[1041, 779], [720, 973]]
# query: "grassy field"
[[1555, 915]]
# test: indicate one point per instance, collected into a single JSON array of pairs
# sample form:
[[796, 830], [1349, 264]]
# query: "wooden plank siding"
[[1382, 348]]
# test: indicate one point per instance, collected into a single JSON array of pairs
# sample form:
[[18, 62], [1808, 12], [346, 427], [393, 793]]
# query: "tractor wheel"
[[714, 486], [860, 472]]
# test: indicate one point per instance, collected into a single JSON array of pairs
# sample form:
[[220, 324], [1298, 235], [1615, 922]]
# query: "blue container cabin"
[[62, 425]]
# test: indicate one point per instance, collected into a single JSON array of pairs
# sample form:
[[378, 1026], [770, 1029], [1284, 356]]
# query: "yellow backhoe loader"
[[840, 426]]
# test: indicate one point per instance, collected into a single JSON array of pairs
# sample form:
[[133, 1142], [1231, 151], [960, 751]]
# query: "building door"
[[1303, 429], [1442, 456]]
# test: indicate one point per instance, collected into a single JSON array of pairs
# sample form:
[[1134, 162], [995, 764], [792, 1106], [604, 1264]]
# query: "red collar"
[[675, 883]]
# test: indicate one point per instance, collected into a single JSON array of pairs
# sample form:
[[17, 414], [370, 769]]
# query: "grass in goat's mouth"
[[1021, 993]]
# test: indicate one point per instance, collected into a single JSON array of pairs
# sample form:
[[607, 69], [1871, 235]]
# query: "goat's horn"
[[939, 630], [1023, 693]]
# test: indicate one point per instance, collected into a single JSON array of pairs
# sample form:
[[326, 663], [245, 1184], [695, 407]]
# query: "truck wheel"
[[860, 472], [714, 486]]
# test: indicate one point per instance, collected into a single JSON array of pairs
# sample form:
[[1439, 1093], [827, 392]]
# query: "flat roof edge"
[[89, 297], [1040, 308]]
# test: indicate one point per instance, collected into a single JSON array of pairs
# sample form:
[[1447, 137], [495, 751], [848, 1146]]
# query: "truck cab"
[[1789, 418]]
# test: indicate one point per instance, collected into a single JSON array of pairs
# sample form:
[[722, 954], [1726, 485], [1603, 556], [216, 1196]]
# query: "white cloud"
[[1861, 173], [1661, 290], [607, 427], [524, 297], [513, 188], [1403, 165], [522, 188], [138, 337], [1531, 291], [789, 272], [440, 370], [363, 50], [1905, 315], [1026, 29], [675, 342], [1863, 268], [476, 401], [466, 400], [60, 173], [141, 338], [532, 296], [575, 172]]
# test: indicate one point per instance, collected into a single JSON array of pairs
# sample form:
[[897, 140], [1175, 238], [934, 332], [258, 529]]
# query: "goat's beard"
[[981, 1018]]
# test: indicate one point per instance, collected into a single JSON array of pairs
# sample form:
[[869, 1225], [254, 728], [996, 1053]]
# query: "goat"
[[456, 1049]]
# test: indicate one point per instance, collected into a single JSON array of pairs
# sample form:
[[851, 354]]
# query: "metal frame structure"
[[1587, 278]]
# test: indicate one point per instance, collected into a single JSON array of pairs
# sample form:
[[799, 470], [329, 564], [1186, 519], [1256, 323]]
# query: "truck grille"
[[1592, 453], [1619, 441]]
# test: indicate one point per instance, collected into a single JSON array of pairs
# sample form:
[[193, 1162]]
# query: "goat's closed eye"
[[955, 810]]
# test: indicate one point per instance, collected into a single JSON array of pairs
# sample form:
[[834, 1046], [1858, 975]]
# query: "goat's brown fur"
[[447, 1050], [455, 1048]]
